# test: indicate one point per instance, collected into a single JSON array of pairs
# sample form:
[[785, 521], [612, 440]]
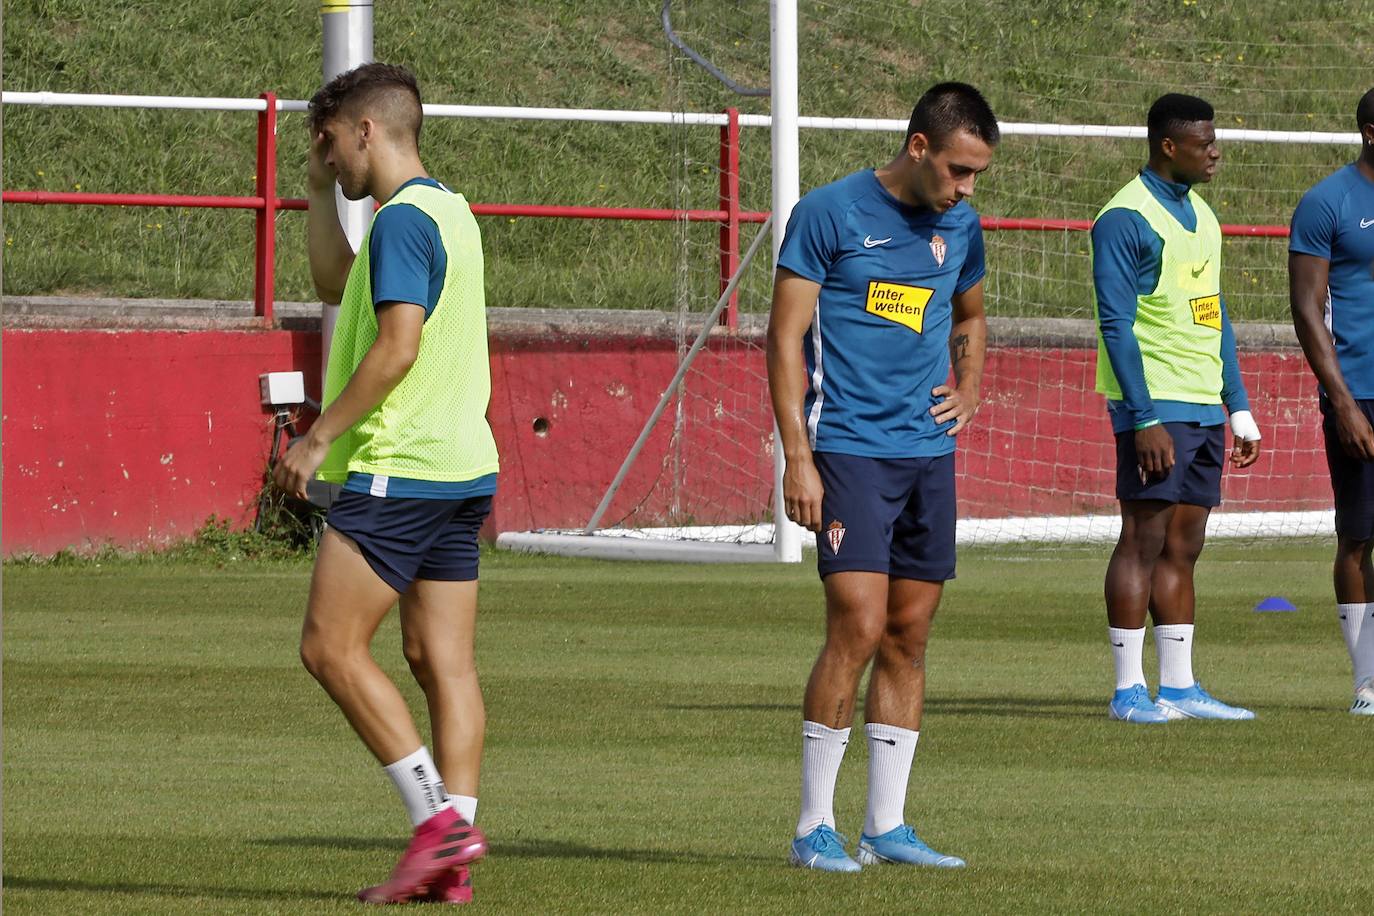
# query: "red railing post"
[[264, 251], [730, 204]]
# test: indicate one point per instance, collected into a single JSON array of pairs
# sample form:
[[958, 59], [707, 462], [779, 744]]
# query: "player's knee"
[[418, 660], [858, 639], [323, 658], [1141, 544]]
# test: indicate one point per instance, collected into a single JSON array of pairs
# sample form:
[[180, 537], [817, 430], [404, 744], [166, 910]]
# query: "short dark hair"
[[1364, 112], [1171, 113], [371, 86], [946, 109]]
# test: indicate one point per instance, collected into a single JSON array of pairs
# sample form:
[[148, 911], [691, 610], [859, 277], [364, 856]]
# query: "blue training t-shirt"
[[1335, 220], [408, 263], [1127, 258], [879, 341]]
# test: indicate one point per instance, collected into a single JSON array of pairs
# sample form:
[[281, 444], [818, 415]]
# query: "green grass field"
[[165, 752], [1290, 65]]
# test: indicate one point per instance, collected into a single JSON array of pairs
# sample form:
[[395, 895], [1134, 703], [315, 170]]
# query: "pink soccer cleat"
[[440, 844], [453, 886]]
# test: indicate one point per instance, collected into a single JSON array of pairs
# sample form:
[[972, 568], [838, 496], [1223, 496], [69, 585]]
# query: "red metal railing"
[[728, 214]]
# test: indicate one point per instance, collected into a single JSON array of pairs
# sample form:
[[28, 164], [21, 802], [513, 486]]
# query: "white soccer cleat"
[[1364, 699]]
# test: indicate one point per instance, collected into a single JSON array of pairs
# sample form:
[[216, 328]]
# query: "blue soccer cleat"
[[1195, 703], [1133, 704], [901, 846], [822, 849]]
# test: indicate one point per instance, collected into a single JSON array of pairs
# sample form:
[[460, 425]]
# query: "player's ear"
[[1367, 134], [367, 130], [917, 145], [1167, 146]]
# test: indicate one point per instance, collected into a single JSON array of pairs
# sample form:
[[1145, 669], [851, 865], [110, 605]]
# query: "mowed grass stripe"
[[165, 753]]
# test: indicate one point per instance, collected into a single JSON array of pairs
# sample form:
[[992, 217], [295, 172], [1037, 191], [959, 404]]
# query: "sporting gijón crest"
[[938, 249], [835, 535]]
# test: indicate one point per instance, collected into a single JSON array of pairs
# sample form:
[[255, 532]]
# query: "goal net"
[[1071, 88]]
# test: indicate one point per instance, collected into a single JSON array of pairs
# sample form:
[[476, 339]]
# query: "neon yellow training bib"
[[433, 425], [1178, 324]]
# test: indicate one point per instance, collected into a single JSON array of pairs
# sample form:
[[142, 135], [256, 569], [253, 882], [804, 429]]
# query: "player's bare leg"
[[1352, 573], [1172, 605], [896, 689], [896, 696], [1172, 598], [1144, 530], [1130, 575], [855, 618], [347, 603], [438, 622], [1353, 576], [438, 626], [855, 621]]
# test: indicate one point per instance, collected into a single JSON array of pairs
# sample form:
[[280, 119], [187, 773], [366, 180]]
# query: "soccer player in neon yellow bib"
[[404, 430], [1167, 363]]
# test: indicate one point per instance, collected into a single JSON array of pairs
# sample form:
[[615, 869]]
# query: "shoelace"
[[829, 843], [908, 836], [1139, 697]]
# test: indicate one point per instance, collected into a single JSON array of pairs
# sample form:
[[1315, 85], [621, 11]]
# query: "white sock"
[[1350, 616], [466, 805], [1363, 656], [890, 750], [1174, 643], [422, 789], [822, 751], [1127, 648]]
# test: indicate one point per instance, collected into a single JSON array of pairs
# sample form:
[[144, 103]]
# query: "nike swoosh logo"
[[871, 242], [1366, 223], [1119, 645], [1197, 273], [1175, 638], [891, 741]]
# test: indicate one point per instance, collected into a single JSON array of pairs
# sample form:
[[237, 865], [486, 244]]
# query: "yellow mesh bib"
[[1178, 324], [433, 425]]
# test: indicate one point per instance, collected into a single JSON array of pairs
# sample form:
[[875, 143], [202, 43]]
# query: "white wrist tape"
[[1243, 425]]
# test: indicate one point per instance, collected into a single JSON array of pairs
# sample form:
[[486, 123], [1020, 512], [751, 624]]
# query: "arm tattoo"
[[958, 348]]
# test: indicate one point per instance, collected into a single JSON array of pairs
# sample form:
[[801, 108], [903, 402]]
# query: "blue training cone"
[[1275, 603]]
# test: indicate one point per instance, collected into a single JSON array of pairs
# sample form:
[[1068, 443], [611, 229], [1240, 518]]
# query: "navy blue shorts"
[[1199, 452], [887, 515], [405, 539], [1352, 480]]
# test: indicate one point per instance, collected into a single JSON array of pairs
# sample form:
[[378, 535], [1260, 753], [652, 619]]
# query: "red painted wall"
[[134, 437]]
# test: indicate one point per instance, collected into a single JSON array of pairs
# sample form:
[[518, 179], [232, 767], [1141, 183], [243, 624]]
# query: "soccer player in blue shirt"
[[1167, 364], [1331, 293], [878, 295]]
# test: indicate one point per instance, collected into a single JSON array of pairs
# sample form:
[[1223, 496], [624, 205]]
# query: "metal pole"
[[347, 30], [786, 190], [265, 251], [729, 202], [711, 321]]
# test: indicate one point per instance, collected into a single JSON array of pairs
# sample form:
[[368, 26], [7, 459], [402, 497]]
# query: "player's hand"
[[297, 467], [319, 174], [1244, 452], [802, 493], [957, 405], [1246, 439], [1355, 433], [1154, 451]]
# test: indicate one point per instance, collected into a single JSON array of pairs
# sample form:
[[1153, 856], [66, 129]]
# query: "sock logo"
[[891, 741], [835, 535], [435, 793], [1175, 638], [1119, 645]]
